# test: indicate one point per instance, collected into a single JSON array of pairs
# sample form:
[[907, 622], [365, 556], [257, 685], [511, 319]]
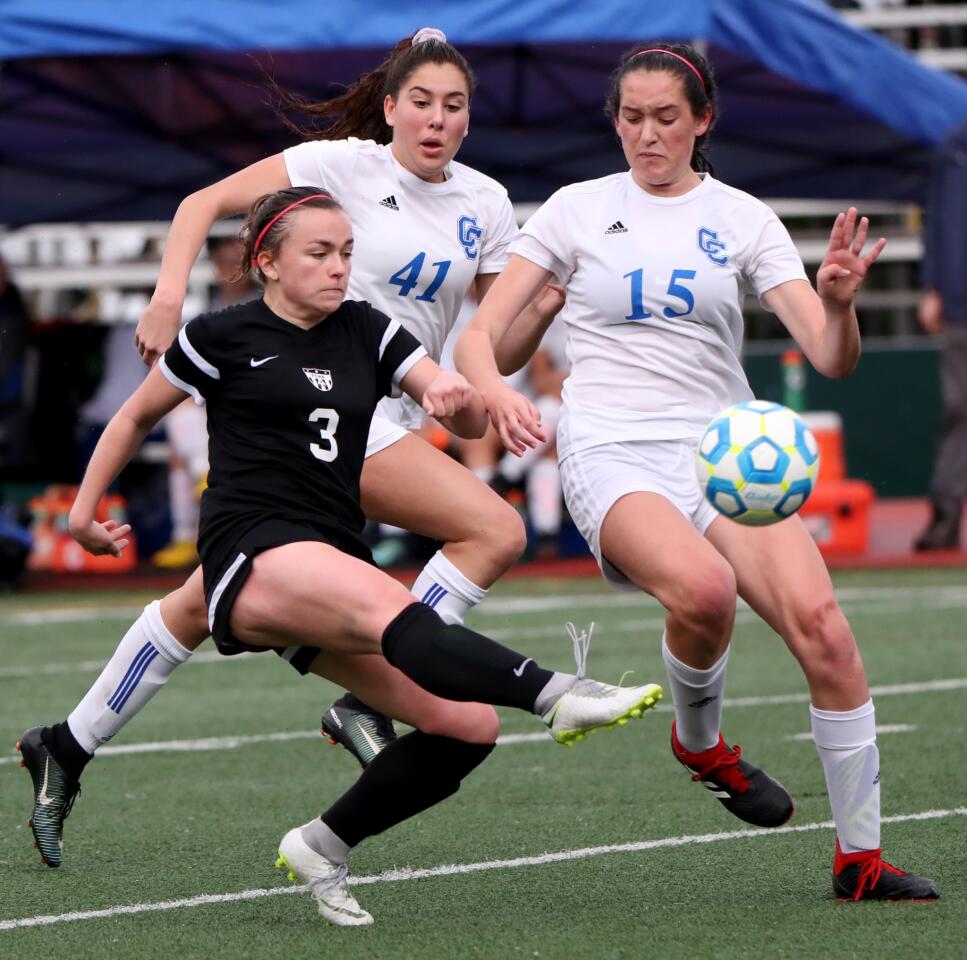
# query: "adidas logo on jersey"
[[616, 227], [390, 202]]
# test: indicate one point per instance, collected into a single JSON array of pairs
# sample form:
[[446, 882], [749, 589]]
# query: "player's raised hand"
[[447, 394], [157, 328], [515, 418], [100, 538], [844, 267]]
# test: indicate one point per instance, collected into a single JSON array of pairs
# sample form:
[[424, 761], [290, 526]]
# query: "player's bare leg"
[[411, 484], [781, 575], [649, 540]]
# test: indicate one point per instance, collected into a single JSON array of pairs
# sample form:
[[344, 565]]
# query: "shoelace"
[[581, 642], [334, 880], [870, 874], [69, 801], [726, 770]]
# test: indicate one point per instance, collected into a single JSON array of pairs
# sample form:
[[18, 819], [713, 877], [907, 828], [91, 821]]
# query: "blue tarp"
[[116, 108]]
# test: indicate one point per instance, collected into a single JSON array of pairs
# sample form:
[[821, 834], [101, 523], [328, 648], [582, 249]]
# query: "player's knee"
[[502, 535], [471, 722], [185, 614], [825, 636], [707, 598]]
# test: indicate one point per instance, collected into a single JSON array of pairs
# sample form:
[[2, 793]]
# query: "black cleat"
[[361, 730], [867, 876], [54, 795], [744, 790]]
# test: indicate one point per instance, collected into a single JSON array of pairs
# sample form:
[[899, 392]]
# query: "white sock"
[[544, 497], [442, 586], [697, 696], [319, 837], [184, 506], [140, 667], [846, 743]]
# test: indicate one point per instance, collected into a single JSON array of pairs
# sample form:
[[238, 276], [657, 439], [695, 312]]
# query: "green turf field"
[[606, 850]]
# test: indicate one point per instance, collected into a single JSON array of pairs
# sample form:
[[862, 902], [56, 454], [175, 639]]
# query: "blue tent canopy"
[[115, 109]]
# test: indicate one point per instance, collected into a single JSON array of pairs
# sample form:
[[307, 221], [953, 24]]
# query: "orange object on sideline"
[[827, 428], [54, 549], [837, 514]]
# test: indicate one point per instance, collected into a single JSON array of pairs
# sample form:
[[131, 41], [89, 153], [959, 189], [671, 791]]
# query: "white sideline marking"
[[500, 606], [458, 869], [886, 728], [231, 743]]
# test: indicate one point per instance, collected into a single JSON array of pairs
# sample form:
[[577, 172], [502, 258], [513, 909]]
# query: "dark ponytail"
[[359, 111], [698, 82]]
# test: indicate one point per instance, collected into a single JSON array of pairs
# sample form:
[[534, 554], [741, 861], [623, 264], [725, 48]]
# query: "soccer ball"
[[757, 462]]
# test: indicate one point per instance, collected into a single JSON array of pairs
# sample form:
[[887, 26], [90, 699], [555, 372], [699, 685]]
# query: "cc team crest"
[[320, 379]]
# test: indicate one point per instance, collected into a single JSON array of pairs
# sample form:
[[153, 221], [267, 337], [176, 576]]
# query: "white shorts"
[[594, 480], [383, 433]]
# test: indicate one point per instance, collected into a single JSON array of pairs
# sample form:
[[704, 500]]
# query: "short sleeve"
[[544, 239], [399, 352], [773, 259], [191, 362], [322, 163], [497, 240]]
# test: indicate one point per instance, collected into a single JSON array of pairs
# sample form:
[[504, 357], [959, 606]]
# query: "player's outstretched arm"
[[448, 397], [190, 227], [823, 321], [120, 441], [514, 417]]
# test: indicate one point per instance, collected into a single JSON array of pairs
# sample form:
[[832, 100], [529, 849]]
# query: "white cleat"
[[327, 881], [590, 705]]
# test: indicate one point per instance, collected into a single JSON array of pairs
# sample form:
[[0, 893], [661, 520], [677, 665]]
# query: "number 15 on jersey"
[[676, 288]]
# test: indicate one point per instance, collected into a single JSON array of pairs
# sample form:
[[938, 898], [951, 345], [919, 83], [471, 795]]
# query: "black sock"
[[410, 775], [69, 754], [353, 702], [458, 664]]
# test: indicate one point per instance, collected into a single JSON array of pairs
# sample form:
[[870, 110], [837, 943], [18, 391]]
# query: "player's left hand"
[[447, 394], [844, 267], [100, 538]]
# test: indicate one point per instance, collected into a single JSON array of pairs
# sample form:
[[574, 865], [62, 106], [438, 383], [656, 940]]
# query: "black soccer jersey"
[[288, 409]]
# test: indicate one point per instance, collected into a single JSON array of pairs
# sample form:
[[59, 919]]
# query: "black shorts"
[[227, 562]]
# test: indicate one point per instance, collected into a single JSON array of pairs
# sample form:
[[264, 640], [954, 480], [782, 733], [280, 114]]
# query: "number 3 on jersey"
[[407, 277], [326, 432], [675, 289]]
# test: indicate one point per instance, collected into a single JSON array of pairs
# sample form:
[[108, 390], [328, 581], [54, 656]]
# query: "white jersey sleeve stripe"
[[195, 357], [391, 329], [407, 365], [176, 381]]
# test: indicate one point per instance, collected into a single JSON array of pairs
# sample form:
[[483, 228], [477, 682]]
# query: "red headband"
[[279, 216], [677, 56]]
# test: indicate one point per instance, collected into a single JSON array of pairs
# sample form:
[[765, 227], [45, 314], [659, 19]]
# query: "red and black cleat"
[[744, 790], [867, 876]]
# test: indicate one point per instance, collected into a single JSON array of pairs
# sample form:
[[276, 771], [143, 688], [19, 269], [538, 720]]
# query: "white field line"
[[501, 606], [886, 728], [232, 743], [458, 869], [517, 635]]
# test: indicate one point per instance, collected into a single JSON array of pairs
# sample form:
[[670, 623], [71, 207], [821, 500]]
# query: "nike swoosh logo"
[[519, 671], [42, 797], [258, 363]]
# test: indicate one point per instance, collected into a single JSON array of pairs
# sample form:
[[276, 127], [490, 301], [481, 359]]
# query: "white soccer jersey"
[[419, 245], [654, 294]]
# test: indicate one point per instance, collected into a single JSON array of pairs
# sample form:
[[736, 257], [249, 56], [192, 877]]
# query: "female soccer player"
[[656, 261], [291, 382], [426, 228]]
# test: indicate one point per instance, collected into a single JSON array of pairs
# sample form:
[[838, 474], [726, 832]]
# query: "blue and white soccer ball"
[[757, 463]]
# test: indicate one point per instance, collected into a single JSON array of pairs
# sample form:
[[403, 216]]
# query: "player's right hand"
[[157, 328], [515, 418], [100, 538]]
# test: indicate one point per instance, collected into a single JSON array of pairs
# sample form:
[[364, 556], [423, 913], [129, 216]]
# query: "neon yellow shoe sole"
[[651, 694]]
